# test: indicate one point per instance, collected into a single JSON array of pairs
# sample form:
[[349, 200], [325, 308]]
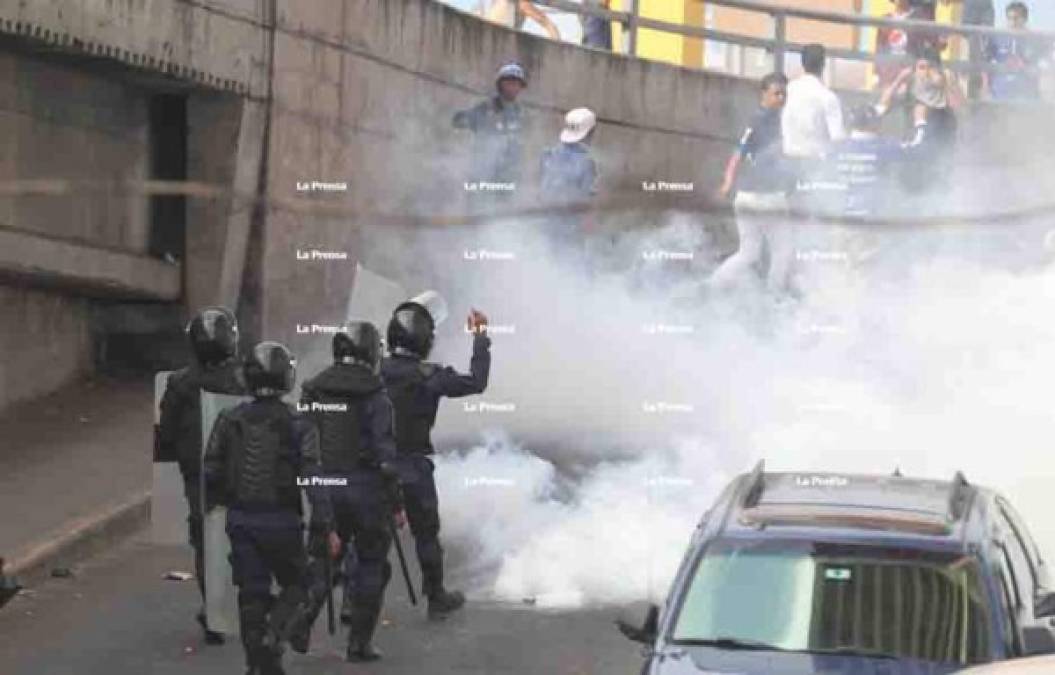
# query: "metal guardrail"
[[778, 45]]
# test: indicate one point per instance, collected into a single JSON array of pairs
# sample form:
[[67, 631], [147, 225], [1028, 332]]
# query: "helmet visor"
[[434, 304]]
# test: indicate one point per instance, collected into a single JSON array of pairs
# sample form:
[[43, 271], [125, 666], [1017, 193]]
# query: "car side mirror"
[[1037, 640], [1044, 605], [647, 632]]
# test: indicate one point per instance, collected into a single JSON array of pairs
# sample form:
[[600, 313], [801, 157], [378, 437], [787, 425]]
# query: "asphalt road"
[[118, 615]]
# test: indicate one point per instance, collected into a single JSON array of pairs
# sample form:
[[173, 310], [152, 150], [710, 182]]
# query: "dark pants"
[[977, 16], [423, 515], [362, 512], [195, 525], [267, 547]]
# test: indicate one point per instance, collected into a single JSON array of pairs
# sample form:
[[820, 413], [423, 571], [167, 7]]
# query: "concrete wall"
[[364, 93], [75, 82], [45, 339]]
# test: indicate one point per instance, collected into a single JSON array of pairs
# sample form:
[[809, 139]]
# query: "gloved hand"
[[321, 542], [391, 478]]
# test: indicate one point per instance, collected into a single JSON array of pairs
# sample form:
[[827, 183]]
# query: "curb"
[[80, 538]]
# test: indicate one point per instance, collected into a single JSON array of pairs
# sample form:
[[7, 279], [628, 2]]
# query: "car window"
[[902, 603]]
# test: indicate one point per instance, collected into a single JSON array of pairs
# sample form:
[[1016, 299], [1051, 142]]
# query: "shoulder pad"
[[428, 369], [179, 377]]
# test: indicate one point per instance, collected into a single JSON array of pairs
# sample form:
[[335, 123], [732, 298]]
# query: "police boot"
[[443, 602], [363, 622], [266, 662], [211, 636], [291, 618], [346, 609]]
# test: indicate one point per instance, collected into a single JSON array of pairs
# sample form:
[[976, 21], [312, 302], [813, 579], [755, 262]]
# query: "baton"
[[402, 560], [328, 571]]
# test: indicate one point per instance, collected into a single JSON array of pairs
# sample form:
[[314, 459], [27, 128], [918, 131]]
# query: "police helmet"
[[213, 335], [270, 369], [413, 325], [411, 331], [360, 344]]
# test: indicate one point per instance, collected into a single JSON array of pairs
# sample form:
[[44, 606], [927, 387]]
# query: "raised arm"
[[452, 384]]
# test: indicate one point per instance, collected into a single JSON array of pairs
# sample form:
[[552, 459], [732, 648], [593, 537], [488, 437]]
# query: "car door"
[[1016, 549]]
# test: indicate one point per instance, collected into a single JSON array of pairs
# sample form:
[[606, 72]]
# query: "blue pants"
[[423, 515], [362, 512], [266, 547]]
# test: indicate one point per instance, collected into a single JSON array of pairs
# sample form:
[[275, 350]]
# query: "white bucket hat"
[[578, 124]]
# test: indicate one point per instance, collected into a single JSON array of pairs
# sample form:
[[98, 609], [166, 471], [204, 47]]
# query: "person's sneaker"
[[443, 603], [362, 652], [211, 636]]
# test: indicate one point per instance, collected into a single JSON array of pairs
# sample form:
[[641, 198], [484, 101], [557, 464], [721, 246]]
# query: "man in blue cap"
[[496, 124]]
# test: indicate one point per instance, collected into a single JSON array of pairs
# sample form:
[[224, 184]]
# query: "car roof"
[[853, 507], [1038, 665]]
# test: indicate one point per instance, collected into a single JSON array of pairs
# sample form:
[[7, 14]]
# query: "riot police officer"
[[351, 410], [258, 456], [497, 124], [415, 387], [213, 338]]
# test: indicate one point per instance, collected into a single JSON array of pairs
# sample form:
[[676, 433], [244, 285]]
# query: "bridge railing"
[[776, 48]]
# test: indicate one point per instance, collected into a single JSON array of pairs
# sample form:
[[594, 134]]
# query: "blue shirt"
[[1025, 51], [761, 153], [568, 172]]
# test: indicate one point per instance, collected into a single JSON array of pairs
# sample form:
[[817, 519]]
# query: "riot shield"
[[373, 298], [168, 511], [221, 596]]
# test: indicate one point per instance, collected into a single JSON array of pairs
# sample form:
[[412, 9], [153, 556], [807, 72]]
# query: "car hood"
[[711, 661]]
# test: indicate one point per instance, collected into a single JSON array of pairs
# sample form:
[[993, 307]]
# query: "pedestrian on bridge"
[[568, 178], [496, 125], [755, 174], [811, 123]]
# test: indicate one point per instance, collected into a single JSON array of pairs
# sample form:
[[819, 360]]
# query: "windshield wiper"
[[852, 651], [730, 643]]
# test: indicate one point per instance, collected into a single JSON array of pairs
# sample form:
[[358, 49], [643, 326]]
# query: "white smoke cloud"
[[586, 494]]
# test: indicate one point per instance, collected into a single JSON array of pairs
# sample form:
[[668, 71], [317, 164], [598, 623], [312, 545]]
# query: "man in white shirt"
[[813, 117], [812, 123]]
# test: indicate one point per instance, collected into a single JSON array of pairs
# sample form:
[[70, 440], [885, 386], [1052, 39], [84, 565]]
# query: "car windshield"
[[840, 599]]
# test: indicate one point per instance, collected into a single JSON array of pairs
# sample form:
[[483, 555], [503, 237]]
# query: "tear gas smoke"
[[624, 398]]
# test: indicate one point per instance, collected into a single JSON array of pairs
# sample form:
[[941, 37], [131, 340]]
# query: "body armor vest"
[[341, 432], [265, 458], [414, 409]]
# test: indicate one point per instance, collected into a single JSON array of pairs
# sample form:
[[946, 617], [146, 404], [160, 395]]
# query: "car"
[[1038, 665], [794, 573]]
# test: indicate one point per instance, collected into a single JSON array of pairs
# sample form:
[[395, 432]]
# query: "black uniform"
[[352, 412], [256, 453], [415, 387], [180, 436]]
